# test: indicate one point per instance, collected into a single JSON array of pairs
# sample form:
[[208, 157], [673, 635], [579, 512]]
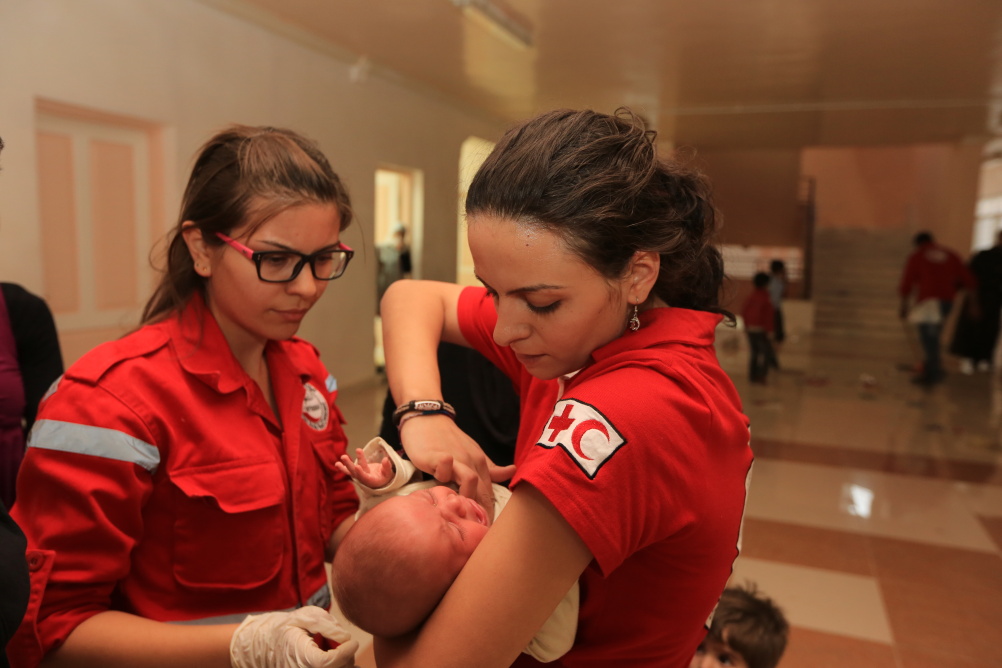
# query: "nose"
[[508, 328], [305, 285], [455, 505]]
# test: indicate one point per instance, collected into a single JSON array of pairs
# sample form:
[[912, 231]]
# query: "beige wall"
[[911, 187], [756, 193], [920, 187], [191, 68], [991, 180]]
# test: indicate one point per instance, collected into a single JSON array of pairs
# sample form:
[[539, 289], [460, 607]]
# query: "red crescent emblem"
[[579, 432]]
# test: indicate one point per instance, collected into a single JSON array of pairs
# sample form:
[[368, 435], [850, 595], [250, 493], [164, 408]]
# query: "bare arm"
[[417, 316], [512, 583], [111, 639]]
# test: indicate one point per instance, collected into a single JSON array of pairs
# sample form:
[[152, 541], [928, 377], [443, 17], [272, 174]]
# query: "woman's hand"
[[437, 446], [283, 639]]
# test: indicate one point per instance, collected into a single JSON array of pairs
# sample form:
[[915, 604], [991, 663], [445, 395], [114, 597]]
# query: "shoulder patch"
[[584, 433]]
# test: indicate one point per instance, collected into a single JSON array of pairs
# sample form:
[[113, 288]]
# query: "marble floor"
[[875, 512]]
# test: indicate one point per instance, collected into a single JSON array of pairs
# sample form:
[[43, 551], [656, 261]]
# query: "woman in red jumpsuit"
[[183, 476], [600, 303]]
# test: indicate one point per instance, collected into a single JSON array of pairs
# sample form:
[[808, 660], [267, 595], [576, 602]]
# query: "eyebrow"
[[279, 246], [528, 288]]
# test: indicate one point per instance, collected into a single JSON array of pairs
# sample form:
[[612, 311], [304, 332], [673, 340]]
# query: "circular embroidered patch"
[[316, 412]]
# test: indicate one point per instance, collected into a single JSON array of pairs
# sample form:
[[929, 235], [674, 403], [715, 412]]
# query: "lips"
[[526, 360], [294, 314], [478, 512]]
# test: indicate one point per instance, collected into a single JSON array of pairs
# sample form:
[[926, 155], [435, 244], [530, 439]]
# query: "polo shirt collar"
[[663, 325]]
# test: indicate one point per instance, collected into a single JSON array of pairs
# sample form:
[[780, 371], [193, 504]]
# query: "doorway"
[[397, 237]]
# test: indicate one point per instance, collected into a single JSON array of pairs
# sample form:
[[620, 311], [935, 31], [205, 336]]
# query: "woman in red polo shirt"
[[600, 302]]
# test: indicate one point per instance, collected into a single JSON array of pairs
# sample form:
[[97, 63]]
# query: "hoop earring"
[[634, 323]]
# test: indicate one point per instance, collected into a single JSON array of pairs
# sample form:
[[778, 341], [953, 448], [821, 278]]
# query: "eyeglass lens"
[[281, 266]]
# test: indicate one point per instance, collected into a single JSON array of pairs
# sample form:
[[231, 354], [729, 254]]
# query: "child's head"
[[777, 266], [748, 631], [761, 279], [398, 560]]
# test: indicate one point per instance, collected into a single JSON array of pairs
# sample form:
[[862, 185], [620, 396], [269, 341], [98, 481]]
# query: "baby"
[[410, 540]]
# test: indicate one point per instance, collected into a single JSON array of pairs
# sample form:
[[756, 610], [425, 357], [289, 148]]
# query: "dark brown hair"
[[243, 175], [596, 180], [382, 578], [752, 625]]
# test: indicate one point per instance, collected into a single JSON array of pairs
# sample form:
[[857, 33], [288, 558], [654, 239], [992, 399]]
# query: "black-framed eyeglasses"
[[283, 266]]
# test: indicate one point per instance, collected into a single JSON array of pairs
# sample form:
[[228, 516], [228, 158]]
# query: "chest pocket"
[[230, 528], [327, 450]]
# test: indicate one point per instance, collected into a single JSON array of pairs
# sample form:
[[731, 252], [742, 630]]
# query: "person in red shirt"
[[600, 302], [759, 317], [931, 278], [183, 476]]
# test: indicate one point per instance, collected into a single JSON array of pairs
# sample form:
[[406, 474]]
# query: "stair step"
[[855, 279]]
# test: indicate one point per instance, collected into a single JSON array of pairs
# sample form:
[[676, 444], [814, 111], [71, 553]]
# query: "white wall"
[[194, 68]]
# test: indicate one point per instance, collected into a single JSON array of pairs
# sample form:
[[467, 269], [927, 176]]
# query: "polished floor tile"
[[807, 648], [867, 502], [800, 545], [964, 572], [820, 599], [929, 617]]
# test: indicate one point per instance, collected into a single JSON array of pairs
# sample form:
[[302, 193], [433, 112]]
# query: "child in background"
[[748, 631], [759, 321], [410, 540]]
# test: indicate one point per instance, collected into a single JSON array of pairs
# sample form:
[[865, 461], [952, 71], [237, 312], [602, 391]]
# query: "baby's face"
[[454, 525]]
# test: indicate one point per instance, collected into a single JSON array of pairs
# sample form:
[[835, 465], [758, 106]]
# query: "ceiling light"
[[497, 20]]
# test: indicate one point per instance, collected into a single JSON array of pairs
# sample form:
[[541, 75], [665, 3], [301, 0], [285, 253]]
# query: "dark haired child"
[[748, 631]]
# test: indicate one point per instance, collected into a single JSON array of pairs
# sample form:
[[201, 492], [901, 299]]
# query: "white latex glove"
[[285, 640]]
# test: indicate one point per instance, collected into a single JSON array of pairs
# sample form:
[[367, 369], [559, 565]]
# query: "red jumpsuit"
[[645, 454], [158, 481]]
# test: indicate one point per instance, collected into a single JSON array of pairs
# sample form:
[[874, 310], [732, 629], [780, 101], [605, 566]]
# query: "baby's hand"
[[373, 475]]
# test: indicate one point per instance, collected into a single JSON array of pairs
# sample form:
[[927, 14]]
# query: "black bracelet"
[[425, 407]]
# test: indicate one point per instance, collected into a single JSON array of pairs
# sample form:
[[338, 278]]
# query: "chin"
[[548, 374], [283, 333]]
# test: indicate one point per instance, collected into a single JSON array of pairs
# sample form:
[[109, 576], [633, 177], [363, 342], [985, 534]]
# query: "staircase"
[[855, 282]]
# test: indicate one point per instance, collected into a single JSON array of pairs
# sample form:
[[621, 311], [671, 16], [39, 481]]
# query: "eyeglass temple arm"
[[243, 250]]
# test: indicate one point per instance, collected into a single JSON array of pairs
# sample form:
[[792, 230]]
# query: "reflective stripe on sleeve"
[[96, 441]]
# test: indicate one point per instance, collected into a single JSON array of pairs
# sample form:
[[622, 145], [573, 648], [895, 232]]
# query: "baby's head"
[[398, 560]]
